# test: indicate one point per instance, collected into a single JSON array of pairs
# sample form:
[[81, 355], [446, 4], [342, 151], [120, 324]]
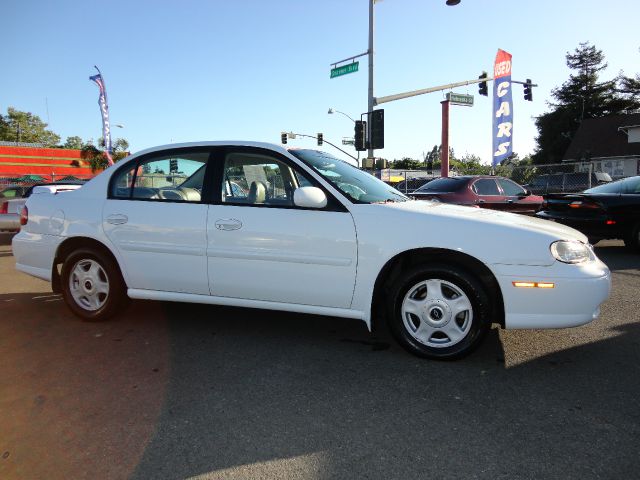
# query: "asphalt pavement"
[[174, 391]]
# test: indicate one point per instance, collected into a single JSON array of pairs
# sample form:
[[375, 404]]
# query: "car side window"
[[510, 189], [175, 178], [486, 186], [257, 179]]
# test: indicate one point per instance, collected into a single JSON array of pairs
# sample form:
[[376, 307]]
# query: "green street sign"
[[460, 99], [344, 69]]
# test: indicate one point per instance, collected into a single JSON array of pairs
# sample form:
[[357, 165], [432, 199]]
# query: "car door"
[[262, 247], [516, 198], [489, 195], [156, 218]]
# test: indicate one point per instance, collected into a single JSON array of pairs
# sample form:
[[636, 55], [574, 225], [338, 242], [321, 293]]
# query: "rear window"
[[627, 185], [443, 185]]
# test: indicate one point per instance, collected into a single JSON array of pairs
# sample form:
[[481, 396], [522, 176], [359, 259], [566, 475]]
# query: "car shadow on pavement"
[[617, 256], [179, 390], [277, 395]]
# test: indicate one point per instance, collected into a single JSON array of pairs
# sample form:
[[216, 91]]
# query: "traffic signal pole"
[[371, 98], [413, 93], [284, 136]]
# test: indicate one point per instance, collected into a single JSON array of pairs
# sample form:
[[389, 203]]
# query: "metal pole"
[[444, 153], [338, 111], [370, 98]]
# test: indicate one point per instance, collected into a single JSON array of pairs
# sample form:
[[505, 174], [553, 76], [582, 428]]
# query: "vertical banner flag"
[[104, 110], [502, 108]]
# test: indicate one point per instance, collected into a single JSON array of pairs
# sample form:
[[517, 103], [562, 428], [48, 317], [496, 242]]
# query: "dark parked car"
[[607, 211], [567, 182], [13, 191], [412, 184], [483, 191]]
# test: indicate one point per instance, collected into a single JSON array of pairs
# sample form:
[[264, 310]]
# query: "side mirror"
[[526, 193], [309, 197]]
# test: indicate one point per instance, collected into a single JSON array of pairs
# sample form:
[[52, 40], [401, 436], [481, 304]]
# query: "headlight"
[[571, 251]]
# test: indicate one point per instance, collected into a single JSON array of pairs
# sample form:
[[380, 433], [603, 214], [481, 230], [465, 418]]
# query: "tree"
[[582, 96], [470, 164], [17, 126], [75, 143], [96, 156], [407, 164]]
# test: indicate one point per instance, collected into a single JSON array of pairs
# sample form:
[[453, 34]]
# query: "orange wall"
[[18, 161]]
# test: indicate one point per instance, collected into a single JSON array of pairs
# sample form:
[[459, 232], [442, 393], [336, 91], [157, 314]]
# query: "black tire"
[[461, 333], [84, 277], [632, 240]]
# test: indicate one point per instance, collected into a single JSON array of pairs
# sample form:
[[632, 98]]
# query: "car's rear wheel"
[[92, 285], [632, 240], [439, 311]]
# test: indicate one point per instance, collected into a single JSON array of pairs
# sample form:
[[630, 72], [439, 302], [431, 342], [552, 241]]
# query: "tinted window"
[[626, 185], [539, 181], [510, 189], [486, 186], [555, 180], [9, 193], [443, 185]]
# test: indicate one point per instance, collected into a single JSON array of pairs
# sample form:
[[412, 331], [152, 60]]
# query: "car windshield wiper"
[[389, 200]]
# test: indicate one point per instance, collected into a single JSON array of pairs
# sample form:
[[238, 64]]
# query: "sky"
[[249, 69]]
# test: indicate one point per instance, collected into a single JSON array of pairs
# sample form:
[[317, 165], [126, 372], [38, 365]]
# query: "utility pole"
[[444, 152], [371, 97]]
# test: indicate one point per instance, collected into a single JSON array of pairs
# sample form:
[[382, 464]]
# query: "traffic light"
[[528, 90], [360, 135], [283, 138], [320, 139], [377, 129], [173, 165], [482, 86]]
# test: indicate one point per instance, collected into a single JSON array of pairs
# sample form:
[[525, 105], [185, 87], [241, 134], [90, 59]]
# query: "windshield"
[[357, 185], [443, 185], [626, 185]]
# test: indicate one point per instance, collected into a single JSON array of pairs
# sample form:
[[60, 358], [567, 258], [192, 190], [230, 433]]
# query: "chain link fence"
[[557, 178], [8, 179], [539, 179]]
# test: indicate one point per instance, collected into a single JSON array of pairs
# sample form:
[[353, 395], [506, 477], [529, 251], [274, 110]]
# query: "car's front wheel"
[[92, 285], [439, 311]]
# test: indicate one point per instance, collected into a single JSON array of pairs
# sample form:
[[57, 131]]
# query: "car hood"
[[494, 217], [491, 236]]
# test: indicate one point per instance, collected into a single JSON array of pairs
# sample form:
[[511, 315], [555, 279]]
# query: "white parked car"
[[256, 225]]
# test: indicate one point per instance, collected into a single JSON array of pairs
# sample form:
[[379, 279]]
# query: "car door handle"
[[228, 224], [509, 201], [481, 201], [117, 219]]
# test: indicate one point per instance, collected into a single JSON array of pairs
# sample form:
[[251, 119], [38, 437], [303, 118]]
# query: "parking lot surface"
[[191, 391]]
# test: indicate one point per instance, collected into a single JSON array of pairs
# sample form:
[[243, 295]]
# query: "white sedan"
[[256, 225]]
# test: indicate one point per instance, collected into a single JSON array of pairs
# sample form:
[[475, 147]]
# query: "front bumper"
[[578, 292]]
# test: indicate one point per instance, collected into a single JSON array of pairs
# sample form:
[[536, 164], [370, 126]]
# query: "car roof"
[[232, 143]]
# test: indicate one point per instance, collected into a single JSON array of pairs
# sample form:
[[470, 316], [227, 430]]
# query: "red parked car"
[[483, 191]]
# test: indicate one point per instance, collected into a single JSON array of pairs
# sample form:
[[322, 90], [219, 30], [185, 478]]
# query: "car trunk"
[[575, 205]]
